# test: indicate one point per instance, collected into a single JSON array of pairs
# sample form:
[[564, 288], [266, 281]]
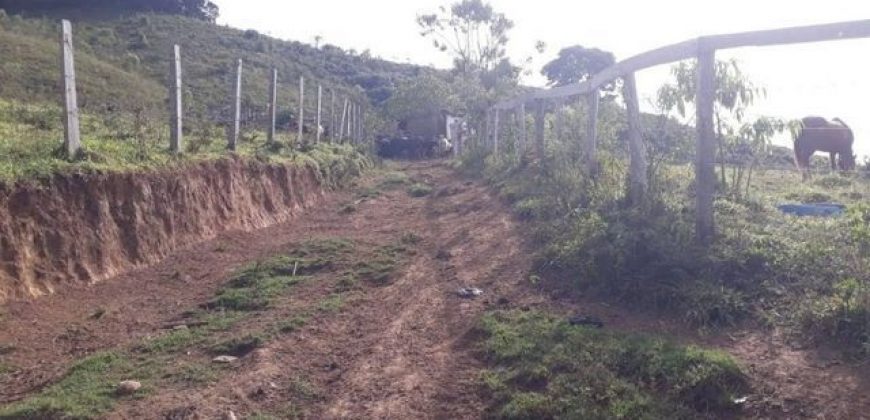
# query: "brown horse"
[[817, 134]]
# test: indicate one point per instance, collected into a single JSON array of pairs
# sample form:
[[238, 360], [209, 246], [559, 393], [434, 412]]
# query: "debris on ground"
[[589, 321], [128, 387], [225, 359], [469, 292], [442, 255]]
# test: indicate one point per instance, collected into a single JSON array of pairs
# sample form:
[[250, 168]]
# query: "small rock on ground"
[[128, 387], [224, 359]]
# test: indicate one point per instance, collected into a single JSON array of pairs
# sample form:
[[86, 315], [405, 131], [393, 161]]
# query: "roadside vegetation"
[[545, 368], [805, 275]]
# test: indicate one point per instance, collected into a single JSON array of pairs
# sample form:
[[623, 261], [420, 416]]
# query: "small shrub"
[[419, 190]]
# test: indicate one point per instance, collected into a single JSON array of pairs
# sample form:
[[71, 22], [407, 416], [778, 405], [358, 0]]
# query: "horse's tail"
[[796, 127]]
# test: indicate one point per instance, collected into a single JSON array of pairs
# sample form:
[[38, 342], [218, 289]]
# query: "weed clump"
[[542, 367], [419, 190]]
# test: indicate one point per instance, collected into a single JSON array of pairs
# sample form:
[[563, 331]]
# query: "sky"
[[827, 79]]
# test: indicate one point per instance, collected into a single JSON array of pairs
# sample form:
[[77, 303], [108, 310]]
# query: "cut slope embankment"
[[78, 229]]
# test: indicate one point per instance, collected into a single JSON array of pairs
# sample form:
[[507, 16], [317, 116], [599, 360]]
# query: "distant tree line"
[[197, 9]]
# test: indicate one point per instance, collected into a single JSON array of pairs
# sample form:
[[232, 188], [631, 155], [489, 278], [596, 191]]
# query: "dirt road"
[[394, 351], [403, 349]]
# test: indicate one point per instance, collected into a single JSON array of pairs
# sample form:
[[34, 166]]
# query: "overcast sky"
[[820, 79]]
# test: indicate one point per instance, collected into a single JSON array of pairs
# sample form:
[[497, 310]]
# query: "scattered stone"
[[443, 255], [230, 416], [469, 292], [589, 321], [225, 359], [128, 387]]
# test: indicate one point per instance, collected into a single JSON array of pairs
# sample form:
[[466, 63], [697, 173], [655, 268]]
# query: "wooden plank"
[[237, 109], [638, 166], [273, 105], [301, 116], [175, 104], [592, 134], [72, 140], [318, 128], [705, 175], [792, 35]]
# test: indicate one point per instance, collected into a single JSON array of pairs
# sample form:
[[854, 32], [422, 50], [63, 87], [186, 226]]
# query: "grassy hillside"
[[140, 45], [122, 66]]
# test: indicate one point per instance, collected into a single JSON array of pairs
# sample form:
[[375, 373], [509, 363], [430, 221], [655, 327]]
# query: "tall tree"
[[576, 64], [471, 31]]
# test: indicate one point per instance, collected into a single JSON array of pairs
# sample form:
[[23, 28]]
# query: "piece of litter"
[[741, 400], [224, 359], [469, 292], [589, 321]]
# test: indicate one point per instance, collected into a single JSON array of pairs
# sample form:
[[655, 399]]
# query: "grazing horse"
[[817, 134]]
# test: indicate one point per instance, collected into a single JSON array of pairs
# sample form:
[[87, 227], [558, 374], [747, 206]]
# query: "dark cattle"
[[817, 134]]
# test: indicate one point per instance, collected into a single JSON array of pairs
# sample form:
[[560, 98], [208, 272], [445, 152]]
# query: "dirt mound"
[[85, 228]]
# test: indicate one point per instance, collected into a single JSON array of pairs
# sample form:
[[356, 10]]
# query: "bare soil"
[[405, 350]]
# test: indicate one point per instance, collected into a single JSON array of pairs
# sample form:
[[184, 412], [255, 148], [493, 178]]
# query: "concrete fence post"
[[319, 112], [175, 102], [72, 137], [237, 109], [301, 116], [273, 105]]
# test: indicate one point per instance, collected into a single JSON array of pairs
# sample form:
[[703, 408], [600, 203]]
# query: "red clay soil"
[[400, 351], [82, 228]]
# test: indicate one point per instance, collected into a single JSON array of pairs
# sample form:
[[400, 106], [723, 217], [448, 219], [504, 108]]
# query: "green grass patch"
[[238, 346], [394, 179], [293, 324], [195, 374], [332, 303], [87, 390], [419, 190], [542, 367]]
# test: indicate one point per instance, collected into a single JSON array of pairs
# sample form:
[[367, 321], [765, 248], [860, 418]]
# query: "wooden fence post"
[[175, 104], [273, 105], [705, 174], [319, 112], [301, 116], [638, 166], [539, 130], [237, 114], [72, 137], [592, 134]]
